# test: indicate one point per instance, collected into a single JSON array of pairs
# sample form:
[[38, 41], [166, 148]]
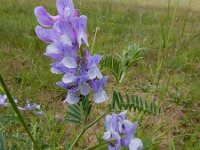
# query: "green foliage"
[[1, 143], [78, 113], [131, 55], [134, 103], [114, 65], [119, 65]]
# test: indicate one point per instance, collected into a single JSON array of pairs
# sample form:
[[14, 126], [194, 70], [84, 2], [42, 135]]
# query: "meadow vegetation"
[[168, 74]]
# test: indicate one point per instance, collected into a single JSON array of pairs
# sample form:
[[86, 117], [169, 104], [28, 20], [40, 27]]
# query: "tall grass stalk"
[[15, 108]]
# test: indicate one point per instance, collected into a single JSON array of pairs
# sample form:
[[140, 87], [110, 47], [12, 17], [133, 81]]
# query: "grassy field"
[[169, 73]]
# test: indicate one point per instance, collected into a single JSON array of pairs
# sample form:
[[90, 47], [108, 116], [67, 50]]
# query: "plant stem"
[[14, 106], [87, 127], [96, 147], [97, 119], [77, 138]]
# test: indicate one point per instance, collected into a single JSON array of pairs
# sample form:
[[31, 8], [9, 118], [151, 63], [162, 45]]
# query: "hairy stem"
[[87, 127]]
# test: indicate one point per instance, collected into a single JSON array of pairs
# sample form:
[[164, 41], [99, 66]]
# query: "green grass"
[[169, 73]]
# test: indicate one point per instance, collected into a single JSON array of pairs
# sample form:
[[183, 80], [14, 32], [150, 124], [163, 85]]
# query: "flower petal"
[[94, 72], [47, 35], [65, 39], [56, 71], [128, 129], [72, 98], [44, 18], [85, 89], [68, 77], [62, 85], [53, 52], [107, 136], [69, 62], [65, 8], [98, 85], [100, 96], [109, 122], [135, 144]]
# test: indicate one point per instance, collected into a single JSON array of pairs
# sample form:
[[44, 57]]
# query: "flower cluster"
[[28, 107], [120, 132], [65, 34]]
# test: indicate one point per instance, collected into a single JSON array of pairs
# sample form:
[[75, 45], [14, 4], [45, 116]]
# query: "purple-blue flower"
[[92, 65], [28, 107], [66, 9], [31, 107], [98, 88], [79, 25], [121, 132]]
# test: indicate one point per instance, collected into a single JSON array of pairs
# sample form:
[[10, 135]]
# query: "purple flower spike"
[[65, 33], [79, 25], [44, 18]]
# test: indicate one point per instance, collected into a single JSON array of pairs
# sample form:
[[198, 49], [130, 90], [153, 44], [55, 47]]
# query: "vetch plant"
[[84, 82]]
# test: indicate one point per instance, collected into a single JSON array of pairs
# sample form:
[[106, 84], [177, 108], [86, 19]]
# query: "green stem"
[[14, 106], [77, 138], [96, 147], [97, 119], [87, 127], [1, 89]]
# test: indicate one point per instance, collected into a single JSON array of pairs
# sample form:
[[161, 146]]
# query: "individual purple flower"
[[66, 9], [66, 31], [98, 88], [72, 97], [31, 107], [92, 65], [79, 24], [113, 138], [77, 89], [128, 131], [3, 100], [117, 124]]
